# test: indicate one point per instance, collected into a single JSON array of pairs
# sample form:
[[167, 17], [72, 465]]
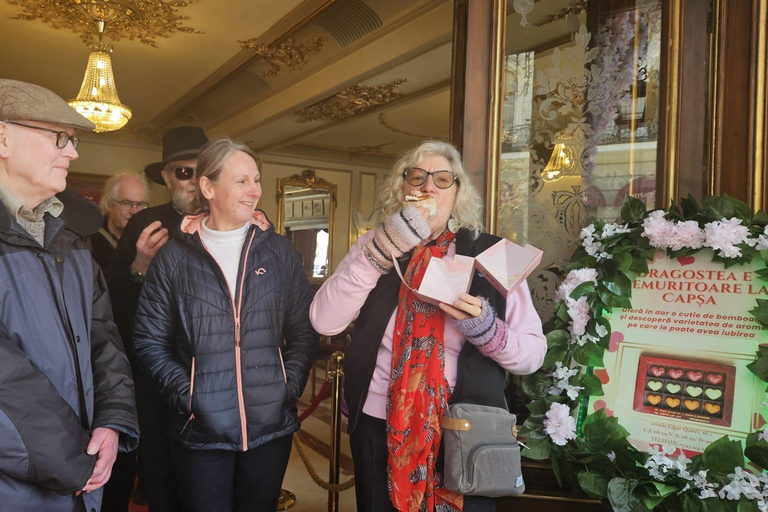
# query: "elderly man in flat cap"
[[66, 392]]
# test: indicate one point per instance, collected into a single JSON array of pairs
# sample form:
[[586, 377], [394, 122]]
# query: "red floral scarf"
[[418, 394]]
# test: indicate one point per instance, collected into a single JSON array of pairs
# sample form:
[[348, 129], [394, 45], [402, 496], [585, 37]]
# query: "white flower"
[[613, 229], [584, 339], [762, 241], [611, 456], [560, 378], [559, 424], [724, 236], [601, 331]]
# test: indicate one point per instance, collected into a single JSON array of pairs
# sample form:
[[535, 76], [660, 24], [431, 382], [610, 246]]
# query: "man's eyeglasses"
[[416, 176], [183, 173], [61, 137], [127, 206]]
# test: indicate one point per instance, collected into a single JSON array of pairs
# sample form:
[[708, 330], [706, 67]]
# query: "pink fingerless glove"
[[398, 234], [487, 332]]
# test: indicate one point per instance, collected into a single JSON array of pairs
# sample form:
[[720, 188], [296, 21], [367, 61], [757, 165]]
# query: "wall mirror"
[[305, 207]]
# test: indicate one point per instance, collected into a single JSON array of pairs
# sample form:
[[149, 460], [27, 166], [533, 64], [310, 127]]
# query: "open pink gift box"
[[504, 265]]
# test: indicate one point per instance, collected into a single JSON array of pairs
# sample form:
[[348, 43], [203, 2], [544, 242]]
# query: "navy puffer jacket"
[[231, 369]]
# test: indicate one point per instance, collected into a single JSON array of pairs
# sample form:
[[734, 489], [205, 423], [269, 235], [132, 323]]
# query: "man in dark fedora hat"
[[143, 236], [66, 393]]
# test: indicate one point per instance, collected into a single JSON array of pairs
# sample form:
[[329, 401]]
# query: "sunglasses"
[[416, 176], [183, 173], [127, 206]]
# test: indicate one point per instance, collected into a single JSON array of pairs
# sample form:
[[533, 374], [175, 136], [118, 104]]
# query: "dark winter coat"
[[63, 370], [230, 369]]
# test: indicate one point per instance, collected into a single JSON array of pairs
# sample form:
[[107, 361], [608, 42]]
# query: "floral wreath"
[[592, 452]]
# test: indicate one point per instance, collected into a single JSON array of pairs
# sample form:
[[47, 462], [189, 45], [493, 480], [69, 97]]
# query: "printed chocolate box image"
[[690, 390]]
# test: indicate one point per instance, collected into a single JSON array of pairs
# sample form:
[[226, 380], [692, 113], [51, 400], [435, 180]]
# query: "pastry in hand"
[[419, 199]]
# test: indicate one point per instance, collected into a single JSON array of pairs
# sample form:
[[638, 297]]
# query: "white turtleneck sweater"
[[225, 247]]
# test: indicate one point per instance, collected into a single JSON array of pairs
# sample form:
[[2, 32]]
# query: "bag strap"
[[461, 424]]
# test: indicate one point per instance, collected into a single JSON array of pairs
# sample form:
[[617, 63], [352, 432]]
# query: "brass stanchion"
[[337, 376]]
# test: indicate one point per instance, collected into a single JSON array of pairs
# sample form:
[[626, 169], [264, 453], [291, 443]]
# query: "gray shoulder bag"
[[482, 455]]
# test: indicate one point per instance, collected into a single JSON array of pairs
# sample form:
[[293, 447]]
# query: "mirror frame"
[[308, 179]]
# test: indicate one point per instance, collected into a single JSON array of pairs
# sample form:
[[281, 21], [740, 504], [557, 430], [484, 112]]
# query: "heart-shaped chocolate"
[[673, 388], [711, 408], [672, 402], [657, 371], [694, 375], [713, 393], [675, 373], [691, 405], [693, 390], [654, 399], [654, 385], [714, 378]]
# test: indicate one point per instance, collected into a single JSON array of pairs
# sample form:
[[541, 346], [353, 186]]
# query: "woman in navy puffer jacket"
[[223, 330]]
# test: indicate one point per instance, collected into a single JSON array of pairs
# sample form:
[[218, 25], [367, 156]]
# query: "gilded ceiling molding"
[[383, 122], [359, 151], [145, 20], [287, 55], [350, 102], [575, 10]]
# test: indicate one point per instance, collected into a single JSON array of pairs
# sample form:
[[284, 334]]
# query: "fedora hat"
[[180, 143]]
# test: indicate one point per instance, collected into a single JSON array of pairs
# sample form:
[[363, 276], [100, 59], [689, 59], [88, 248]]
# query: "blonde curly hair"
[[467, 209]]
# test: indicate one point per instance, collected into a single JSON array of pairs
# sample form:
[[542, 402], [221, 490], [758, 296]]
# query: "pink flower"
[[574, 279], [578, 310], [658, 230], [762, 241], [724, 236], [559, 424], [687, 234]]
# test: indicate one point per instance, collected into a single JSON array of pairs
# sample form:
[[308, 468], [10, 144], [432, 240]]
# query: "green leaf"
[[690, 502], [594, 484], [718, 208], [611, 300], [712, 505], [536, 449], [619, 494], [760, 365], [620, 285], [533, 427], [558, 338], [592, 385], [757, 450], [558, 470], [639, 265], [760, 218], [632, 210], [721, 456], [554, 355], [590, 354], [762, 274], [536, 385], [761, 311], [600, 431], [746, 505], [586, 288], [624, 260], [740, 208]]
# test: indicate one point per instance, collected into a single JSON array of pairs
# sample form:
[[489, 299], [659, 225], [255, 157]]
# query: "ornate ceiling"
[[336, 80]]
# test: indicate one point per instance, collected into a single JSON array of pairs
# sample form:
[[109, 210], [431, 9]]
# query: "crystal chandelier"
[[98, 100]]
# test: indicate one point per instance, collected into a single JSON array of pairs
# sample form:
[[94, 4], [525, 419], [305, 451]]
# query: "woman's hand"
[[468, 306], [398, 234]]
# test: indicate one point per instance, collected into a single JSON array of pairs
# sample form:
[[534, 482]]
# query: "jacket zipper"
[[191, 391], [236, 313]]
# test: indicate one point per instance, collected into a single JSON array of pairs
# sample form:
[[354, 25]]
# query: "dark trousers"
[[221, 480], [117, 491], [156, 475], [369, 453]]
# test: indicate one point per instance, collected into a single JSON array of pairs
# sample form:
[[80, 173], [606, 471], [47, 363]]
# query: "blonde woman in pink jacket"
[[409, 359]]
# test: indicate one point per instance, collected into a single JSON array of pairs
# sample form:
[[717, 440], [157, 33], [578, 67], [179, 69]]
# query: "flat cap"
[[20, 101]]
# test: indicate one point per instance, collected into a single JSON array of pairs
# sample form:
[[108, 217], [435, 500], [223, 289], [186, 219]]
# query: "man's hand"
[[150, 241], [104, 444]]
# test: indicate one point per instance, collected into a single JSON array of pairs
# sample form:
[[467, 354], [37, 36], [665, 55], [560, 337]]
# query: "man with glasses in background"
[[146, 232], [123, 197], [66, 393]]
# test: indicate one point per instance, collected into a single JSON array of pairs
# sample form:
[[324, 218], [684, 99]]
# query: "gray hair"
[[109, 195], [467, 209], [211, 161]]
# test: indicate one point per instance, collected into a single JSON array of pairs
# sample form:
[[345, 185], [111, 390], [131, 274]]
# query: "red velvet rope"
[[321, 395]]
